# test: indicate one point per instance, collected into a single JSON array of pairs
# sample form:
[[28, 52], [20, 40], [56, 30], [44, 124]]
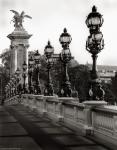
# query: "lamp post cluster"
[[94, 45], [34, 64], [12, 88]]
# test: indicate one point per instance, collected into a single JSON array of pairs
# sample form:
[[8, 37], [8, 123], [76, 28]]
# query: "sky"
[[50, 17]]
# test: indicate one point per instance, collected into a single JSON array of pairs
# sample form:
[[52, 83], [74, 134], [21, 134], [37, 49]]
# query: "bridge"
[[37, 122], [34, 120]]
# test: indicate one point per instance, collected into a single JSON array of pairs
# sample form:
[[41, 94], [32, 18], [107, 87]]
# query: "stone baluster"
[[89, 105], [60, 113], [44, 106]]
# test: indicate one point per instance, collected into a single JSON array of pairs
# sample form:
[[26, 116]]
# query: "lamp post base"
[[31, 90], [96, 92], [37, 90], [48, 91], [66, 90]]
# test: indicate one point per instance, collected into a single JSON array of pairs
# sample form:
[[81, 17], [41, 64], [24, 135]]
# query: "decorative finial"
[[65, 30], [49, 43], [37, 51], [94, 9]]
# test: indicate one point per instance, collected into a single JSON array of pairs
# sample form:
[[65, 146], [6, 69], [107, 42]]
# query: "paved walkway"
[[21, 129]]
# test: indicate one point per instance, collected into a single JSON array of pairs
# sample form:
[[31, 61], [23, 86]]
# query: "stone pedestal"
[[18, 48], [67, 99], [89, 105], [61, 107]]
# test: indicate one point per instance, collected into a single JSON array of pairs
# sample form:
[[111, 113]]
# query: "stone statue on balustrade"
[[19, 18]]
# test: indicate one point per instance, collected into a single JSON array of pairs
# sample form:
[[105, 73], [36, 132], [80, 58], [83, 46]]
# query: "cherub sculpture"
[[19, 18]]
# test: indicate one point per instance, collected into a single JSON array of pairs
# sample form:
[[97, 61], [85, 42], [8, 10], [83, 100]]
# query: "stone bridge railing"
[[93, 118]]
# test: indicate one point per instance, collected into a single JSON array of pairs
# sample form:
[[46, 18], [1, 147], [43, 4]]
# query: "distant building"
[[105, 72]]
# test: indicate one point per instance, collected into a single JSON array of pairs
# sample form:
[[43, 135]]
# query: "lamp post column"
[[24, 76], [65, 40], [30, 82], [24, 84], [17, 80], [49, 51], [37, 63], [30, 71], [38, 89], [94, 45], [94, 70]]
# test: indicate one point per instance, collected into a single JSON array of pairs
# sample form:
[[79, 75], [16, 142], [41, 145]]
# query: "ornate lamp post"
[[37, 67], [65, 39], [24, 76], [94, 45], [48, 51], [17, 80], [6, 92], [30, 71], [9, 89], [13, 85]]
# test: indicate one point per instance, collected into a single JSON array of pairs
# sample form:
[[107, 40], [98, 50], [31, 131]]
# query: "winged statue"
[[19, 18]]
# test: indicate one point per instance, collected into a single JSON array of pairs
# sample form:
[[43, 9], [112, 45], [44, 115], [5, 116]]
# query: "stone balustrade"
[[92, 117], [13, 100], [104, 123]]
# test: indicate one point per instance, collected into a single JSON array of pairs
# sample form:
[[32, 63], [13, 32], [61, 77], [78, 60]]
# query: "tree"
[[5, 56], [113, 88], [109, 97], [79, 77], [4, 72], [3, 81], [114, 84]]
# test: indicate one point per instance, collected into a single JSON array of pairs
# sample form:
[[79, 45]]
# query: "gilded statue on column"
[[18, 18]]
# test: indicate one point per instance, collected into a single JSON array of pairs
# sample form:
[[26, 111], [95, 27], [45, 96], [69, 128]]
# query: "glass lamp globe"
[[31, 61], [49, 50], [65, 38], [24, 65], [94, 19], [37, 56]]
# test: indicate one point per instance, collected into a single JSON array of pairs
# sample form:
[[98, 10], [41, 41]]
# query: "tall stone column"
[[19, 45]]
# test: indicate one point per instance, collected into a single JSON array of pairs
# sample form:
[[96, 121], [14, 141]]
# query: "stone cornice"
[[19, 33]]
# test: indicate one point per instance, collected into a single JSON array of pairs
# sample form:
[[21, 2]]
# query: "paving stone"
[[35, 124], [45, 125], [11, 129], [57, 124], [2, 108], [66, 140], [21, 143], [6, 119], [84, 139], [32, 118], [3, 113], [46, 119], [56, 131], [69, 140], [87, 148], [66, 129]]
